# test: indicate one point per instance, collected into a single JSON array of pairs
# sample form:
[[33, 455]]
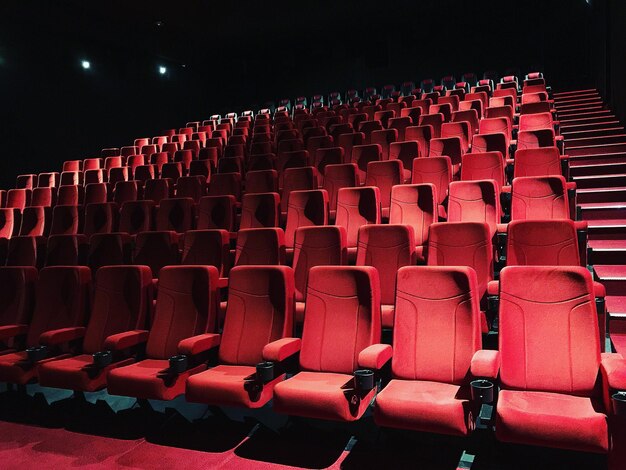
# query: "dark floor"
[[50, 429]]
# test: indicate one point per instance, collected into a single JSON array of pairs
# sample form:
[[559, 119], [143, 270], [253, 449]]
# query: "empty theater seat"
[[436, 337], [357, 207], [340, 335], [187, 298], [17, 288], [465, 244], [387, 248], [61, 311], [415, 205], [121, 308], [475, 201], [305, 208], [264, 246], [260, 210], [553, 399], [259, 314]]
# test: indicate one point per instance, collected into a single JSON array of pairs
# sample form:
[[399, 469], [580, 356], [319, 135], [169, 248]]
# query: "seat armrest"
[[281, 349], [486, 363], [375, 356], [10, 331], [62, 335], [613, 367], [493, 288], [199, 344], [125, 340]]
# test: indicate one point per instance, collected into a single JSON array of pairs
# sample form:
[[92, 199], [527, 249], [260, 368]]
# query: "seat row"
[[434, 378]]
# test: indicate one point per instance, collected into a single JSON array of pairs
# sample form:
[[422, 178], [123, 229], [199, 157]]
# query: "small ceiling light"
[[86, 64], [162, 69]]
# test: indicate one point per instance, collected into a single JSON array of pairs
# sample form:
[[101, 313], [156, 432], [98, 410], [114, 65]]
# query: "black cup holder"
[[619, 403], [36, 353], [102, 359], [364, 380], [265, 372], [482, 391], [178, 364]]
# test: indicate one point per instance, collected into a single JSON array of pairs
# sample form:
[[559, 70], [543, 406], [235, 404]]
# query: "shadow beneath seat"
[[299, 445], [214, 434], [406, 449], [18, 407]]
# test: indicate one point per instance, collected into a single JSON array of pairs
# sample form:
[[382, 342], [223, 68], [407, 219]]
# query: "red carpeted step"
[[597, 140], [607, 251], [597, 169], [596, 149], [603, 210], [592, 133], [616, 194], [601, 181], [613, 276], [561, 94], [586, 116]]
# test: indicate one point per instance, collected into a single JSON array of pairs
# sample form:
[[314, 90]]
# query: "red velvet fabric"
[[475, 201], [539, 198], [414, 205], [261, 246], [305, 208], [424, 406], [321, 395], [387, 248], [357, 207], [260, 210]]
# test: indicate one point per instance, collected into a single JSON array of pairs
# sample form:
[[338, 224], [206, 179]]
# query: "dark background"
[[232, 55]]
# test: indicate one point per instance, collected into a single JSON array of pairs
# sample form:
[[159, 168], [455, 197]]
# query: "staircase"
[[595, 141]]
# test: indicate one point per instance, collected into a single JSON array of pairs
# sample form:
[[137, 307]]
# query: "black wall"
[[225, 56]]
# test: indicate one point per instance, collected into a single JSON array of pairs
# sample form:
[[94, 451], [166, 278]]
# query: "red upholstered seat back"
[[122, 302], [414, 205], [462, 244], [342, 317], [474, 201], [260, 310], [186, 306], [61, 300], [549, 338], [387, 248], [437, 323], [542, 243], [537, 198]]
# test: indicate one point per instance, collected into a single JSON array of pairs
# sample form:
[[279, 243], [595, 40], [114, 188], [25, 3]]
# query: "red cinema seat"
[[223, 184], [136, 216], [415, 205], [18, 198], [363, 154], [384, 138], [259, 314], [125, 191], [475, 201], [260, 210], [337, 177], [553, 399], [482, 143], [483, 166], [265, 246], [315, 246], [457, 129], [100, 218], [25, 251], [67, 250], [340, 335], [188, 299], [96, 193], [357, 207], [109, 249], [544, 161], [436, 337], [177, 214], [35, 222], [217, 212], [44, 197], [327, 156], [436, 171], [61, 310], [464, 244], [121, 306], [539, 197], [207, 247], [387, 248], [157, 190], [305, 208], [262, 181], [156, 249], [65, 220], [422, 135], [17, 289], [193, 187], [406, 152], [8, 224], [433, 120], [297, 179], [348, 142], [384, 175]]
